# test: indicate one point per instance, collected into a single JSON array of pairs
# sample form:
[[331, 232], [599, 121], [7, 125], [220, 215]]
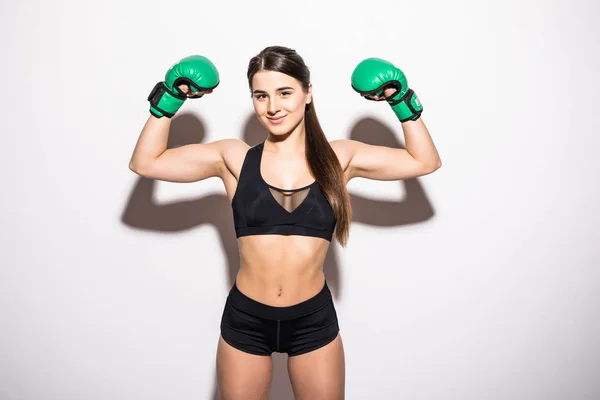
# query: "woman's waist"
[[280, 285], [257, 305]]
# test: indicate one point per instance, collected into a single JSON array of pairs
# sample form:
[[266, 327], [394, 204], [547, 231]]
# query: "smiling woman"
[[289, 200], [281, 90]]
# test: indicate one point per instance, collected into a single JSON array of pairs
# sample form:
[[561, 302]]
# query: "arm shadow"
[[142, 212], [414, 208]]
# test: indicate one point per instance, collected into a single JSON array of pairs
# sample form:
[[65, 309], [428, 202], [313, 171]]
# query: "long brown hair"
[[321, 158]]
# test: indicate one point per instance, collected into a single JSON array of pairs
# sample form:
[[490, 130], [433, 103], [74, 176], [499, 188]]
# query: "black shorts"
[[260, 329]]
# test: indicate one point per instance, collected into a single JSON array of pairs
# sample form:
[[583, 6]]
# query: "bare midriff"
[[280, 270]]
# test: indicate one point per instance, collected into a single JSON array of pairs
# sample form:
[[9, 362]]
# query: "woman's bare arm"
[[388, 164], [189, 163]]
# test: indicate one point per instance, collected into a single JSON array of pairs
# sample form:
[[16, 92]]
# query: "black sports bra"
[[262, 209]]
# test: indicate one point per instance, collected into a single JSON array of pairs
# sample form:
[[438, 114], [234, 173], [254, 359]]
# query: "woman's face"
[[279, 101]]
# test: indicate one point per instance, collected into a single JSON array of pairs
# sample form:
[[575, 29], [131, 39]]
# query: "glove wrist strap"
[[164, 102], [408, 107]]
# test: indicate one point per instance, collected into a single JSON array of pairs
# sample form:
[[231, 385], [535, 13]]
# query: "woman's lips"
[[277, 120]]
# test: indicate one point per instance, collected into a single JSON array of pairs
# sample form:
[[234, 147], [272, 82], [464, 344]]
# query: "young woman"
[[289, 199]]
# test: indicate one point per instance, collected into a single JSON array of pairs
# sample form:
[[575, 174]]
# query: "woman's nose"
[[273, 105]]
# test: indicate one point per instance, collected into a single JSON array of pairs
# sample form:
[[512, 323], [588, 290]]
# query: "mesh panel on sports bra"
[[289, 199]]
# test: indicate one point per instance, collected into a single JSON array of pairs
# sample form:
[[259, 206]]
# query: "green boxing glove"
[[198, 72], [373, 75]]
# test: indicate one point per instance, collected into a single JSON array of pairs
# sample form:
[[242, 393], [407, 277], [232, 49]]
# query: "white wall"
[[480, 281]]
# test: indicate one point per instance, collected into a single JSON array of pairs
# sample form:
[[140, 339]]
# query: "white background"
[[479, 281]]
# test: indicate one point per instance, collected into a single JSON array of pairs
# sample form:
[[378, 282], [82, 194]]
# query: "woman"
[[289, 199]]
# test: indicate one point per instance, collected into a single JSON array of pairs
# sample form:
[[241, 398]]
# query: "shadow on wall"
[[142, 213]]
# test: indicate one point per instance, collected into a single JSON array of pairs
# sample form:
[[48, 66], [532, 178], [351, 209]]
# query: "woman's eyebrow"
[[277, 90]]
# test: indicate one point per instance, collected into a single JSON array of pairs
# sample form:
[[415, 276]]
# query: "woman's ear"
[[309, 94]]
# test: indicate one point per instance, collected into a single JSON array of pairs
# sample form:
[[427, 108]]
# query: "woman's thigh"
[[319, 374], [242, 375]]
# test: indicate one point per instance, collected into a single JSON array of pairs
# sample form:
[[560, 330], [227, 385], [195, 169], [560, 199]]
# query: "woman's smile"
[[276, 120]]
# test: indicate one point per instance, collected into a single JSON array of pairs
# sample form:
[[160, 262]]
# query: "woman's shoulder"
[[233, 152], [232, 143], [231, 147], [344, 150]]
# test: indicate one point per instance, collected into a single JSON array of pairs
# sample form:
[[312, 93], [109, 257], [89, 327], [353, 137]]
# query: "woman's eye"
[[260, 96], [285, 93]]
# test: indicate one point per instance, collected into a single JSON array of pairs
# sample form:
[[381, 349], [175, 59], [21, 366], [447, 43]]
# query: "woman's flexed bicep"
[[188, 163]]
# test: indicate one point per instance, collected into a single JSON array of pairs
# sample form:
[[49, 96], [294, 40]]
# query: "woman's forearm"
[[151, 143], [420, 144]]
